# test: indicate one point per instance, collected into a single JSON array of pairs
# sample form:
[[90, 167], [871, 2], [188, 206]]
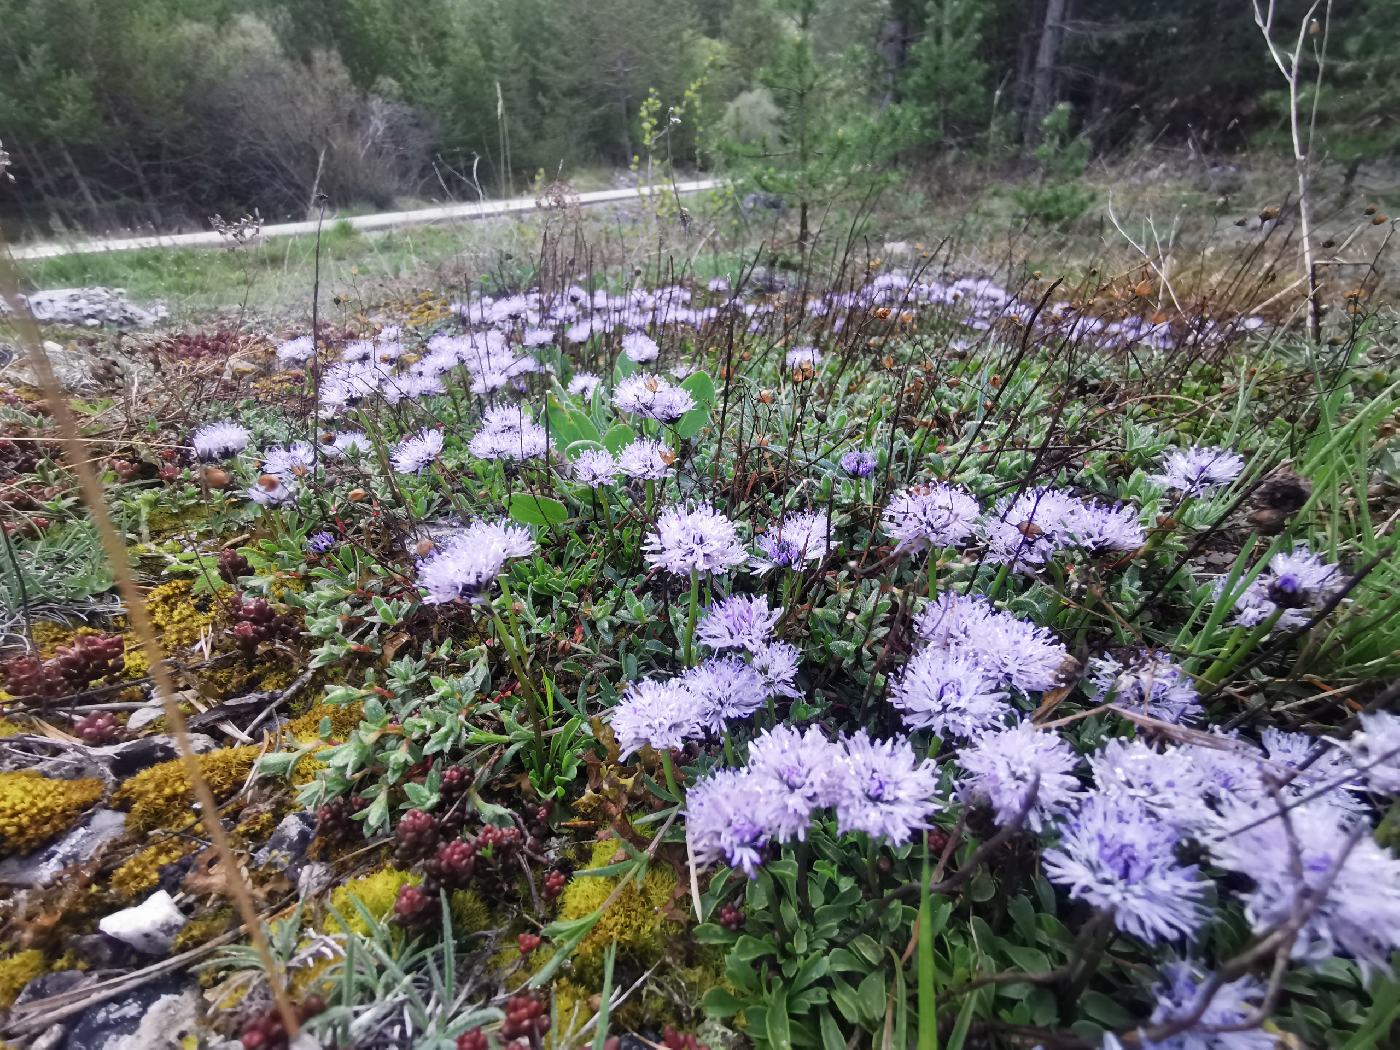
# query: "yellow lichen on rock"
[[35, 808], [16, 971], [160, 797]]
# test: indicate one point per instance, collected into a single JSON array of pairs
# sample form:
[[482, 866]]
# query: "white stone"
[[150, 927]]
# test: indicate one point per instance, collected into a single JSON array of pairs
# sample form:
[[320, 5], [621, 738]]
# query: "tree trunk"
[[94, 212], [1047, 56]]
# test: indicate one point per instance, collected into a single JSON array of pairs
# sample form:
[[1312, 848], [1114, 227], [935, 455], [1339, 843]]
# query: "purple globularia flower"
[[413, 454], [583, 384], [1374, 750], [295, 351], [738, 622], [1115, 855], [1196, 470], [645, 459], [639, 347], [1359, 916], [652, 397], [507, 432], [1178, 997], [272, 491], [1000, 767], [1098, 528], [350, 443], [698, 539], [796, 539], [1308, 768], [1009, 650], [465, 564], [1170, 783], [217, 440], [290, 461], [1148, 683], [594, 467], [804, 770], [729, 817], [803, 357], [656, 714], [859, 464], [1291, 586], [725, 687], [949, 695], [935, 515], [887, 791], [321, 542], [777, 664]]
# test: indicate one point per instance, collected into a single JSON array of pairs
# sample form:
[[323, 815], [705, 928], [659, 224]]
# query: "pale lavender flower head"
[[1360, 914], [1100, 528], [796, 539], [738, 622], [777, 664], [646, 459], [694, 539], [652, 397], [350, 443], [1171, 783], [465, 564], [724, 687], [507, 432], [1178, 996], [1294, 583], [935, 515], [804, 771], [659, 715], [583, 384], [1116, 856], [800, 357], [594, 467], [217, 440], [413, 454], [272, 491], [290, 461], [729, 817], [1000, 768], [639, 347], [1375, 750], [1309, 768], [1147, 684], [1008, 650], [859, 464], [887, 791], [295, 351], [948, 694], [1196, 470]]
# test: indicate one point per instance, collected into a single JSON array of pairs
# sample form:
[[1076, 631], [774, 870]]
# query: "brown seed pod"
[[269, 482], [356, 495], [216, 477], [1269, 214]]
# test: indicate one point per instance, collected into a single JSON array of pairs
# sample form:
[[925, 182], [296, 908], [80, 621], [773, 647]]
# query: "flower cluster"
[[507, 432], [879, 788], [465, 563]]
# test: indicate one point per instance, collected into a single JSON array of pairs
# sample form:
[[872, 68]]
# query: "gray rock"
[[156, 1016], [42, 866], [149, 927], [101, 952], [286, 847], [91, 308], [49, 984]]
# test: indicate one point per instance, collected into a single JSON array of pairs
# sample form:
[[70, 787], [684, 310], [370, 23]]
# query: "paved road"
[[382, 221]]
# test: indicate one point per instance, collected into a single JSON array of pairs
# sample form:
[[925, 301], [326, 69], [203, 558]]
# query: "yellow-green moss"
[[636, 918], [8, 728], [141, 874], [344, 720], [469, 912], [160, 797], [173, 610], [36, 808], [201, 929], [16, 971], [376, 891]]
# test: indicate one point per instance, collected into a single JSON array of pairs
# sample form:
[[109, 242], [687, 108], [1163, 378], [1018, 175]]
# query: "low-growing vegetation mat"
[[874, 654]]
